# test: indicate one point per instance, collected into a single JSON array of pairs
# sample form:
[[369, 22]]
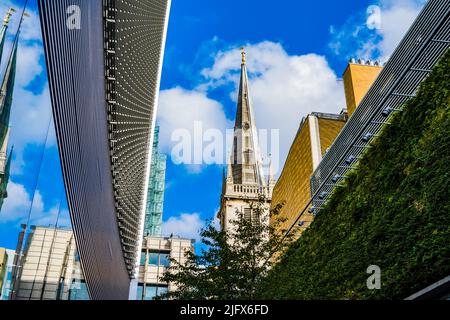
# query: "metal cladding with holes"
[[104, 73], [419, 51]]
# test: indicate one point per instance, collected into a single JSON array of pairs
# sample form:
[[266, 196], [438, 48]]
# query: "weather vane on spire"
[[8, 16], [244, 54]]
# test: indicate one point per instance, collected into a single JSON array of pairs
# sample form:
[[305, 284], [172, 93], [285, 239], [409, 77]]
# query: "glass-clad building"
[[156, 256], [155, 197]]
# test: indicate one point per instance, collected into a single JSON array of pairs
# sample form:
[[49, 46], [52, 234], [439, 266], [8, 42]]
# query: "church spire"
[[3, 29], [6, 94], [6, 99], [246, 161]]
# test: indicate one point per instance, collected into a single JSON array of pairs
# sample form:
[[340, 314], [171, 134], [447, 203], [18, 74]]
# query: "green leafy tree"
[[232, 263]]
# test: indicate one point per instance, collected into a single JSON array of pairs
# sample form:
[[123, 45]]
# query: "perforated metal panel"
[[104, 79]]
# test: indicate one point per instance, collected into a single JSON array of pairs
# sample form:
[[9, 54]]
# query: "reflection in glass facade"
[[155, 197], [150, 292], [155, 259], [78, 291]]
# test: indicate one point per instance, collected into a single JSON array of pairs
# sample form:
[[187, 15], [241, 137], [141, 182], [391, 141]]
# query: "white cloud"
[[16, 208], [50, 217], [284, 88], [396, 18], [186, 225], [31, 110], [28, 66], [30, 118], [17, 205], [31, 25], [179, 109], [375, 34]]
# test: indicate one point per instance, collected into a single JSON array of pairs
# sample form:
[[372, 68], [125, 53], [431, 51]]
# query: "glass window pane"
[[78, 291], [153, 258], [140, 291], [162, 290], [150, 292], [143, 257], [164, 259]]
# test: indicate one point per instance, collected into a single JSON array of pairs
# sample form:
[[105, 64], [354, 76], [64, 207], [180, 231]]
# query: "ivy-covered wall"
[[394, 212]]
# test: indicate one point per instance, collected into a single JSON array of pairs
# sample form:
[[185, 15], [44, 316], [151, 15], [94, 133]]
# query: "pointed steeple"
[[6, 94], [8, 164], [271, 178], [246, 162], [3, 29]]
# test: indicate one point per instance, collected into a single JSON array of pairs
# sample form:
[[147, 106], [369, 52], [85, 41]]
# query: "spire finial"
[[8, 16], [244, 54]]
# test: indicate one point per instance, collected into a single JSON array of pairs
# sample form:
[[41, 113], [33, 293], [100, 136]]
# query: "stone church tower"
[[245, 180]]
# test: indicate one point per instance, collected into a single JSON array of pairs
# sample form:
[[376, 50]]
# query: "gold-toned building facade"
[[315, 135], [358, 78]]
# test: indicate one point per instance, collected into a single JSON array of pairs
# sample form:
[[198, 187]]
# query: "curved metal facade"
[[104, 60]]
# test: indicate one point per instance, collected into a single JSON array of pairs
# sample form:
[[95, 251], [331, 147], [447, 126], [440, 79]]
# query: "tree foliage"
[[393, 212]]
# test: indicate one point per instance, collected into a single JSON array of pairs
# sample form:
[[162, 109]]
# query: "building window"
[[159, 259], [162, 290], [140, 292], [78, 290], [143, 258], [252, 216], [153, 258], [248, 214], [164, 259], [152, 291]]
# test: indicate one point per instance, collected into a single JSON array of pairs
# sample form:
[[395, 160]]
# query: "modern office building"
[[3, 265], [156, 252], [155, 196], [316, 134], [6, 98], [245, 181], [50, 268], [104, 60], [358, 78], [416, 55], [6, 266]]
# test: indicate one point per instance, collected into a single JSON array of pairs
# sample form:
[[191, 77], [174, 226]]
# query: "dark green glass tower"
[[155, 196]]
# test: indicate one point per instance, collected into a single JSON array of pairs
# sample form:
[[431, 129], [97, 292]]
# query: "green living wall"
[[393, 212]]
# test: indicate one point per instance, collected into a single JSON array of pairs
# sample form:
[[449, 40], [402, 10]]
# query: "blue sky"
[[297, 51]]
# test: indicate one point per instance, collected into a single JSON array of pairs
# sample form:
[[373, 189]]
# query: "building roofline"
[[320, 115]]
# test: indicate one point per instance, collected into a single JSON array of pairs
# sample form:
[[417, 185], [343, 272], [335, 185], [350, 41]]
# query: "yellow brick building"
[[358, 78], [315, 135]]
